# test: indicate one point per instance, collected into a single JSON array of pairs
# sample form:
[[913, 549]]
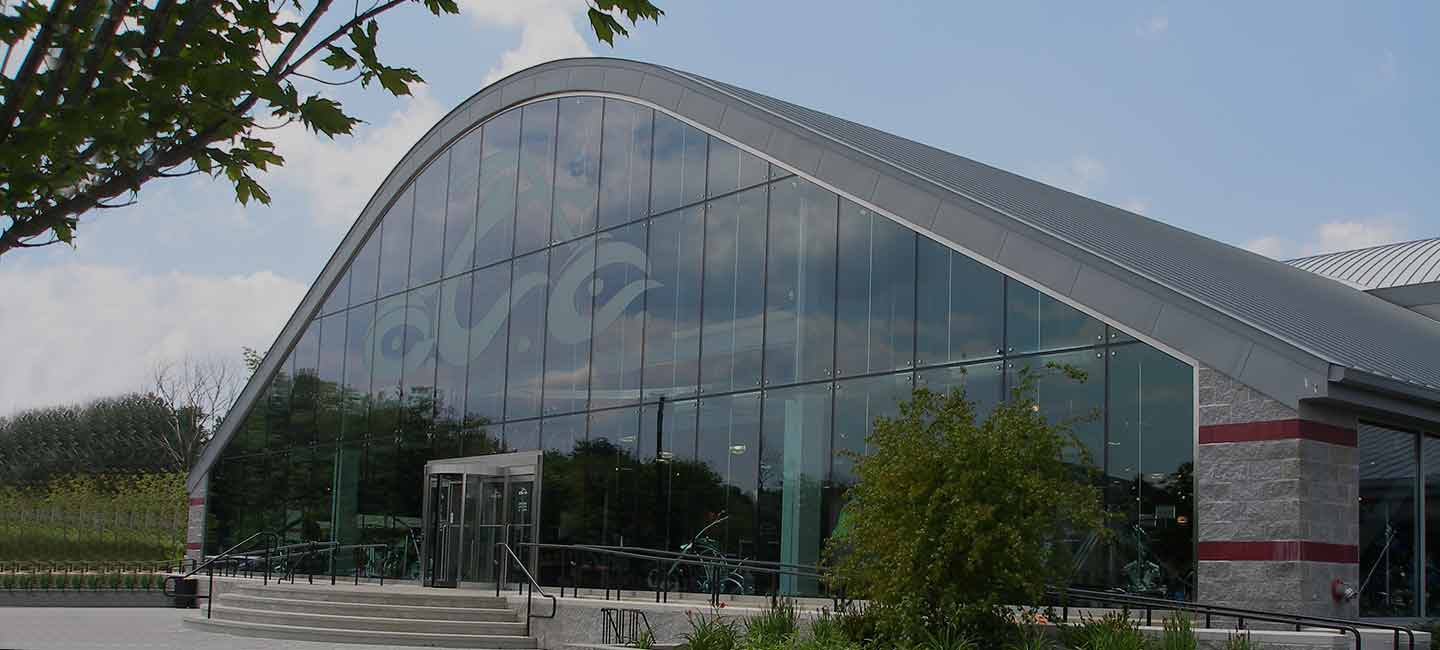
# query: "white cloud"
[[81, 331], [1153, 27], [547, 30], [1081, 174], [1330, 237], [338, 176]]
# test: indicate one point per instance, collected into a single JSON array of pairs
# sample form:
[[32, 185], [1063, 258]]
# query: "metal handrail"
[[534, 585], [1344, 626], [209, 567], [662, 592], [626, 624]]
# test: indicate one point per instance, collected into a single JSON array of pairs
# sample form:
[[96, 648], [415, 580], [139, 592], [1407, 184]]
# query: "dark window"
[[329, 397], [1062, 398], [365, 269], [452, 354], [358, 351], [460, 204], [305, 374], [858, 402], [794, 464], [1036, 322], [1388, 476], [983, 383], [388, 359], [488, 322], [522, 436], [728, 436], [418, 384], [339, 296], [731, 169]]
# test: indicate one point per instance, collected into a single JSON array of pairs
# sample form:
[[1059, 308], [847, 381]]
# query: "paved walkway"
[[81, 628]]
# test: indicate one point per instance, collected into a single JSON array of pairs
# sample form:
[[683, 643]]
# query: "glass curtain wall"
[[693, 336]]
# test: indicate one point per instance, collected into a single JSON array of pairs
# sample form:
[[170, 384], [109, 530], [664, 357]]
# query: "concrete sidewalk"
[[82, 628]]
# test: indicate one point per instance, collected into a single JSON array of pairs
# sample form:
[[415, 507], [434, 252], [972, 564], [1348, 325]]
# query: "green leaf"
[[323, 115], [338, 59]]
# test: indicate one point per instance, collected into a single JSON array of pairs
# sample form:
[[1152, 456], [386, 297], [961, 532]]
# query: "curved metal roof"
[[1379, 267], [1279, 329]]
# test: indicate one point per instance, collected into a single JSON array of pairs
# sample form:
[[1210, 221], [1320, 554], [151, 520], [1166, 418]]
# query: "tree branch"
[[341, 31], [25, 75]]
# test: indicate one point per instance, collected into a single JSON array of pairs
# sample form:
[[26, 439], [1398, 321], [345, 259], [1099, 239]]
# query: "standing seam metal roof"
[[1379, 267], [1333, 322]]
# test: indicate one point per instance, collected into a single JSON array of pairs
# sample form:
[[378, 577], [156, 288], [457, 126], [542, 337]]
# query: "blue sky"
[[1288, 128]]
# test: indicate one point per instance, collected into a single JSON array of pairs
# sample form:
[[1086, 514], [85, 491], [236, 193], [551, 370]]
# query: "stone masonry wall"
[[1275, 502], [195, 523]]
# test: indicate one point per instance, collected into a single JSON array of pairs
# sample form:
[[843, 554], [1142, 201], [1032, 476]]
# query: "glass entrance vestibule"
[[472, 505]]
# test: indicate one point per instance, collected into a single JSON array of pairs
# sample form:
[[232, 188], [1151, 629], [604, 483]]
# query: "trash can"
[[185, 591]]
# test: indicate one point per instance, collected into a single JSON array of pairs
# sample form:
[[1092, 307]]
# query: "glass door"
[[472, 505]]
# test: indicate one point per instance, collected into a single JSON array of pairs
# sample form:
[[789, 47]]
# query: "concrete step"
[[309, 619], [375, 595], [372, 637], [247, 601]]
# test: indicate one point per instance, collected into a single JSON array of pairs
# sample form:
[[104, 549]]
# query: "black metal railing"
[[720, 576], [625, 626], [509, 559], [1240, 615], [209, 567]]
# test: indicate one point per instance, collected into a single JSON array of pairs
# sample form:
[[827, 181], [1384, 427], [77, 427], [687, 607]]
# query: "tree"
[[196, 394], [112, 435], [99, 97], [953, 513]]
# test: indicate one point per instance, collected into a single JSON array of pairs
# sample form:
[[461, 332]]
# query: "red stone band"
[[197, 501], [1292, 551], [1278, 430], [193, 546]]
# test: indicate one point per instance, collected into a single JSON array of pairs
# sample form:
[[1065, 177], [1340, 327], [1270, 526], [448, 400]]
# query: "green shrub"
[[778, 621], [1032, 637], [1094, 633], [1179, 634], [946, 637], [711, 633], [1241, 641]]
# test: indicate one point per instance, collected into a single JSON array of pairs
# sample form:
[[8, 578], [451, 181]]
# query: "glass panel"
[[620, 285], [495, 219], [1061, 398], [452, 356], [527, 337], [800, 291], [339, 296], [488, 321], [365, 269], [1036, 322], [388, 363], [960, 306], [729, 443], [317, 483], [731, 169], [672, 310], [874, 326], [522, 436], [251, 438], [1150, 470], [564, 434], [460, 202], [982, 382], [629, 478], [418, 385], [332, 371], [1117, 336], [395, 244], [1430, 452], [679, 168], [577, 167], [305, 372], [794, 463], [358, 350], [625, 163], [1387, 522], [537, 167], [685, 484], [428, 242], [858, 402], [733, 334], [566, 517], [567, 348]]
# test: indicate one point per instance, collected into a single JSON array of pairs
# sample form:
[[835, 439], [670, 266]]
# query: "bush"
[[1178, 634], [1241, 641], [711, 633], [1092, 633], [956, 513], [778, 621]]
